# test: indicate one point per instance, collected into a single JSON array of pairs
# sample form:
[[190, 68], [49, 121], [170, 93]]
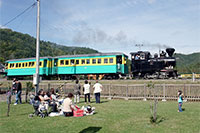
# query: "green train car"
[[110, 65], [27, 67]]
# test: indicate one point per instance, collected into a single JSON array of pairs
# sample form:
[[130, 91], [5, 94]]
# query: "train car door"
[[55, 66], [119, 63], [73, 66], [45, 67]]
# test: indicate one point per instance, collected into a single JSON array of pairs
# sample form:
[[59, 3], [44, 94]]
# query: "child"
[[180, 101]]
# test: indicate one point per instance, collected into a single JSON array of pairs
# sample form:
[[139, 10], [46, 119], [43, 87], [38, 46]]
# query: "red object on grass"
[[78, 113]]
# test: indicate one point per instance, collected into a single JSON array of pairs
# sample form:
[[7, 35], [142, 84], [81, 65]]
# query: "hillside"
[[14, 45], [188, 63]]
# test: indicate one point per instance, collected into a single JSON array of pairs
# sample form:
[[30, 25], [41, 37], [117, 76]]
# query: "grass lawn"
[[113, 116]]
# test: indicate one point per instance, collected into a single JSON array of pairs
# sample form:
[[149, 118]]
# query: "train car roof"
[[88, 55], [81, 55], [28, 58]]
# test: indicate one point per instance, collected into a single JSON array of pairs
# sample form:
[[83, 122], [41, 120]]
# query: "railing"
[[138, 91]]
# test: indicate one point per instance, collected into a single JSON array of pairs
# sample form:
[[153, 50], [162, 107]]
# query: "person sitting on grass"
[[43, 99], [180, 101], [68, 106], [42, 96]]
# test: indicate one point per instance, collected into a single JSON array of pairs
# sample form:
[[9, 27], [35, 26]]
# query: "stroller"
[[40, 109]]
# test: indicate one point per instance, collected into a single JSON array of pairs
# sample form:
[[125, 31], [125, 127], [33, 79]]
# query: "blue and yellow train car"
[[107, 64], [110, 64], [27, 67]]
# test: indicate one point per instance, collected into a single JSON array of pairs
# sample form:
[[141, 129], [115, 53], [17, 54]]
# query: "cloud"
[[89, 35], [151, 1], [0, 3]]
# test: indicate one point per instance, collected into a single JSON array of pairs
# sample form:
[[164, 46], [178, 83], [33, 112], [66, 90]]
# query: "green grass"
[[117, 116]]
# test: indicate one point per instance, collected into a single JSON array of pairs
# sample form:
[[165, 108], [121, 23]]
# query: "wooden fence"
[[138, 91]]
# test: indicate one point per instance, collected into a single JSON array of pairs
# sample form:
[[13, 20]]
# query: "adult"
[[77, 93], [68, 105], [97, 90], [42, 97], [53, 95], [86, 90], [19, 92]]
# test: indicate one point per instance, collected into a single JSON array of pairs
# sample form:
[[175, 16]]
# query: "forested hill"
[[14, 45], [188, 63]]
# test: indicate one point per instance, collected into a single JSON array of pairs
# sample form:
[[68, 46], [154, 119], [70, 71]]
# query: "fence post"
[[109, 92], [126, 92], [164, 91], [48, 86], [145, 99], [184, 93]]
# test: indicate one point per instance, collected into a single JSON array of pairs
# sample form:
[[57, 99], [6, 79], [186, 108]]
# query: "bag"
[[78, 113]]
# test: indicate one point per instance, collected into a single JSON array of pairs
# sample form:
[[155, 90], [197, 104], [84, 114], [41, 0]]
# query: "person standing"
[[77, 93], [97, 90], [19, 92], [180, 101], [86, 90]]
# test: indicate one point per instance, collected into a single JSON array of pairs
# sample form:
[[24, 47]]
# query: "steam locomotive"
[[143, 65]]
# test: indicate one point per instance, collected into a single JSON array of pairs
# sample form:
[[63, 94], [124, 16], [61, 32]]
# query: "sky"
[[110, 25]]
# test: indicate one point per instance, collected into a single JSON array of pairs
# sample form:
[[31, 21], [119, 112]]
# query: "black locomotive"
[[143, 65]]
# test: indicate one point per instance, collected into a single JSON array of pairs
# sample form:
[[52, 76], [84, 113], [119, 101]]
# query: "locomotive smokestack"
[[170, 51]]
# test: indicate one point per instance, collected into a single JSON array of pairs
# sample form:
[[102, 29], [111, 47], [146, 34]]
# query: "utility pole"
[[37, 48]]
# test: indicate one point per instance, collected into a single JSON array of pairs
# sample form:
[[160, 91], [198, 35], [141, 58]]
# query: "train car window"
[[17, 64], [62, 62], [82, 61], [40, 63], [106, 61], [99, 61], [142, 56], [10, 65], [29, 64], [94, 61], [72, 62], [119, 59], [26, 64], [111, 60], [22, 64], [88, 61], [66, 62], [32, 64], [77, 62], [137, 57]]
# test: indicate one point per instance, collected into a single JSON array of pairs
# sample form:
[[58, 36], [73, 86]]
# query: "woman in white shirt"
[[86, 90]]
